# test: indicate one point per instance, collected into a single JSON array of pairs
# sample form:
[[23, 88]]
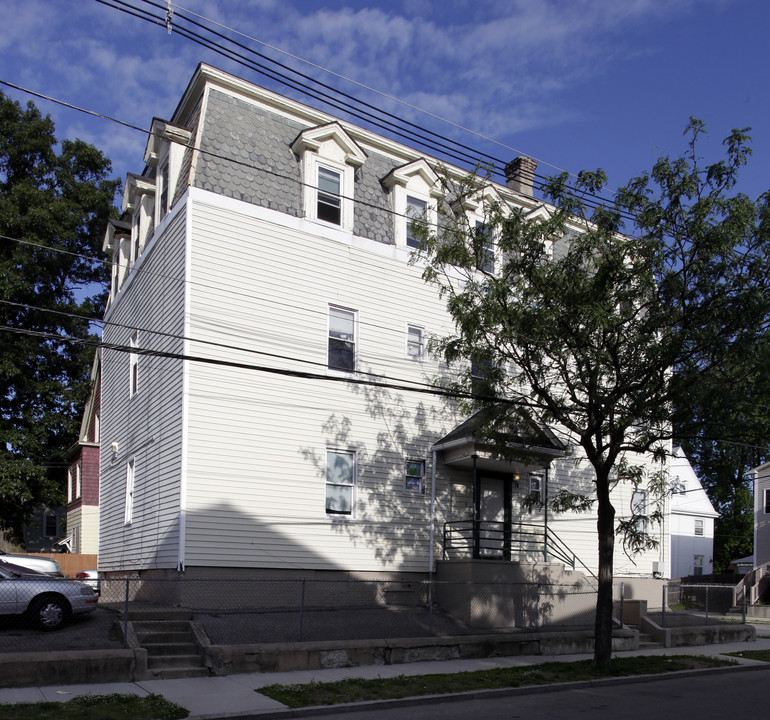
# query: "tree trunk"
[[605, 526]]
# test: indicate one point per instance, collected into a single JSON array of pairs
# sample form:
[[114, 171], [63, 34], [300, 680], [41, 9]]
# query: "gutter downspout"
[[432, 512]]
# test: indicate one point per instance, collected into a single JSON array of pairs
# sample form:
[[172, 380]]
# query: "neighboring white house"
[[692, 520], [762, 515], [266, 387]]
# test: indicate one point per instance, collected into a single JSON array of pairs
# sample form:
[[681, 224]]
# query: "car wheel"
[[49, 612]]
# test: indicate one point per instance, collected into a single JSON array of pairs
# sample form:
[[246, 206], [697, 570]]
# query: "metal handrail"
[[495, 539]]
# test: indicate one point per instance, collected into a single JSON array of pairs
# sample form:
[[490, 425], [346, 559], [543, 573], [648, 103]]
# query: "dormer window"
[[163, 187], [329, 206], [329, 158], [416, 209], [139, 200], [475, 213], [485, 247], [164, 152], [415, 192]]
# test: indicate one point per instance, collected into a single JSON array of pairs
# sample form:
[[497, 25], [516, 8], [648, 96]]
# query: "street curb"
[[418, 700]]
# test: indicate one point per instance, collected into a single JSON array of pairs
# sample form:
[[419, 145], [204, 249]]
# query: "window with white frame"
[[767, 501], [342, 339], [639, 509], [128, 515], [163, 190], [329, 158], [414, 476], [329, 200], [415, 342], [415, 191], [133, 365], [340, 482], [699, 527], [136, 232], [70, 483], [697, 565], [416, 210], [536, 486], [485, 247]]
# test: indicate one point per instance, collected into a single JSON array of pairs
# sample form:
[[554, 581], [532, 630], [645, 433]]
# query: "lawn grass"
[[358, 690], [103, 707], [753, 654]]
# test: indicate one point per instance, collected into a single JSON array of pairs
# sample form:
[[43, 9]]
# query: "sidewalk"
[[235, 695]]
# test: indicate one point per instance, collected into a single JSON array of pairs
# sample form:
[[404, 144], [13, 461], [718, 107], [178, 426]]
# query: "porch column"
[[507, 517], [545, 508], [476, 512]]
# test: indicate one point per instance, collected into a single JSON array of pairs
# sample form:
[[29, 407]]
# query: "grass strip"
[[753, 654], [359, 690], [103, 707]]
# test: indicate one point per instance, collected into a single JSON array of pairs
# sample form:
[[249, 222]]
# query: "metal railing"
[[506, 541]]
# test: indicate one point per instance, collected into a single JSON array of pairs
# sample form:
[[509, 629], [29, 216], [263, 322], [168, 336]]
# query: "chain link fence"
[[706, 604], [272, 610]]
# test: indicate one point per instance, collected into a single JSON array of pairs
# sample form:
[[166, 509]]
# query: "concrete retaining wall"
[[72, 667], [286, 657]]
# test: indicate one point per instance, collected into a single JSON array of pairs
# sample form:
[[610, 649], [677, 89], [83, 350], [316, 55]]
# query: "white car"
[[38, 564], [91, 578], [47, 602]]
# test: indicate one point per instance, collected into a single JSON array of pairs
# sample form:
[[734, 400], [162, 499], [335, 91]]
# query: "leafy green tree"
[[54, 205], [726, 433], [600, 333]]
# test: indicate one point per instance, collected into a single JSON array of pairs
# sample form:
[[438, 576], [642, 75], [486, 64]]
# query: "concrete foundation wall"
[[56, 668], [287, 657]]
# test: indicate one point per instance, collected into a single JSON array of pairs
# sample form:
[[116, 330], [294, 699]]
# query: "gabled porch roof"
[[524, 440]]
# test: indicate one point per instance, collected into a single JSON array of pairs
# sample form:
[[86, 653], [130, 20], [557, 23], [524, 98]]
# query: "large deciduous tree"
[[54, 204], [602, 332]]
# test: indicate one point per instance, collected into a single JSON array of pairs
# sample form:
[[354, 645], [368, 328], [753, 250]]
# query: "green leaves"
[[54, 205]]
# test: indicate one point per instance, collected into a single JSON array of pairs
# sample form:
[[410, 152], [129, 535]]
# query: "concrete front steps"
[[170, 641]]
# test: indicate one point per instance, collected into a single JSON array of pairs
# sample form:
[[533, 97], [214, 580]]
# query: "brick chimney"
[[520, 175]]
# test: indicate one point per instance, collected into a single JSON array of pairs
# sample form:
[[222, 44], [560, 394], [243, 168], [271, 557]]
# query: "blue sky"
[[577, 84]]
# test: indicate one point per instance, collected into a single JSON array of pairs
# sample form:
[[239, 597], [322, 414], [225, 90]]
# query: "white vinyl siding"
[[260, 439], [149, 425], [257, 441]]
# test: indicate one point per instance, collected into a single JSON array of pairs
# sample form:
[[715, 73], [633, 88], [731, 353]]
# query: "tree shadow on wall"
[[391, 509]]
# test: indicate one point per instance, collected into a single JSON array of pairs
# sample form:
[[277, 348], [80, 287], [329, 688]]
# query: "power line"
[[94, 342], [319, 95]]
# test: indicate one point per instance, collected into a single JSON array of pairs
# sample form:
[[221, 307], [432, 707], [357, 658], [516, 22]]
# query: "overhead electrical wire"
[[464, 157], [149, 352]]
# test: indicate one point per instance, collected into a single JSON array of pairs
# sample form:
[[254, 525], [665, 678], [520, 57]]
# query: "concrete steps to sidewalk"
[[172, 650]]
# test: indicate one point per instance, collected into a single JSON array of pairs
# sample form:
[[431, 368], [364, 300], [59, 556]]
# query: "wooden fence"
[[71, 563]]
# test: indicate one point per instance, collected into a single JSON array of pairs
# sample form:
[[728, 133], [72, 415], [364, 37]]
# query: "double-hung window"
[[340, 482], [133, 365], [416, 210], [163, 197], [699, 527], [536, 486], [342, 339], [697, 565], [329, 195], [485, 248], [128, 515], [414, 479], [639, 509], [415, 342]]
